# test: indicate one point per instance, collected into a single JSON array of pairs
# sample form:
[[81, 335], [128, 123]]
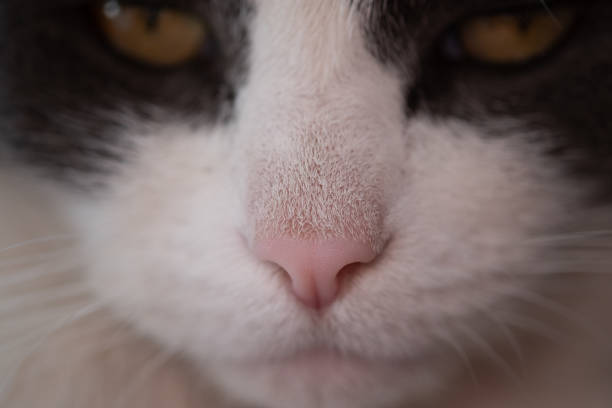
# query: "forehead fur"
[[311, 38]]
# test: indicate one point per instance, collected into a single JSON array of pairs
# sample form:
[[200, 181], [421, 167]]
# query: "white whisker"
[[42, 297], [508, 336], [39, 240], [53, 327], [140, 379], [531, 325], [28, 275], [35, 322], [555, 307], [571, 236], [448, 339], [489, 351], [8, 264]]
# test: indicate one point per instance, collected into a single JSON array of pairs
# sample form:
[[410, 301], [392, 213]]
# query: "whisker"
[[34, 322], [565, 270], [447, 338], [41, 298], [559, 267], [495, 357], [73, 316], [550, 12], [553, 306], [531, 325], [9, 262], [37, 272], [508, 336], [27, 338], [140, 379], [570, 236], [39, 240], [109, 336]]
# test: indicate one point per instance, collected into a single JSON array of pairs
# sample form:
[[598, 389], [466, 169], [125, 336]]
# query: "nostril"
[[314, 266]]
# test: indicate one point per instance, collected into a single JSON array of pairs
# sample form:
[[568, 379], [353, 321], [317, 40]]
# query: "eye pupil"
[[153, 19], [524, 23]]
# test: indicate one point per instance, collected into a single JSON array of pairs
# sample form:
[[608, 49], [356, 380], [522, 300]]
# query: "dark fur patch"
[[566, 94], [66, 95]]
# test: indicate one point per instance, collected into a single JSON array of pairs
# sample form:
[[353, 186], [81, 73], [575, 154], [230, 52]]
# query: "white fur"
[[321, 147]]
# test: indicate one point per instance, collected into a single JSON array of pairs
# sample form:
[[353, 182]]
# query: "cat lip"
[[319, 362], [327, 357], [312, 354], [329, 365]]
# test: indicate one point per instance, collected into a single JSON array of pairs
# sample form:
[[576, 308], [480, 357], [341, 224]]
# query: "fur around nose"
[[313, 266]]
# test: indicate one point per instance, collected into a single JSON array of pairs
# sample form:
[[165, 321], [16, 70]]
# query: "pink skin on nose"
[[313, 266]]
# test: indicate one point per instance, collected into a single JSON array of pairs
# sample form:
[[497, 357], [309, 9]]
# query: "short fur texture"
[[130, 200]]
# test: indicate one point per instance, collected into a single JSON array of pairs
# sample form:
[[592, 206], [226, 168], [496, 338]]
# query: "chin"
[[329, 380]]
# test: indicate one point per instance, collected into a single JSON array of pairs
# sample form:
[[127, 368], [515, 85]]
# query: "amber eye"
[[514, 38], [155, 36]]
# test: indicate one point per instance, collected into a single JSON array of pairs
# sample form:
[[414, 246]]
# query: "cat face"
[[324, 196]]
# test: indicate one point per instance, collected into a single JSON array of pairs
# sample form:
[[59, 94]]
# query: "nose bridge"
[[315, 204], [316, 156], [315, 186]]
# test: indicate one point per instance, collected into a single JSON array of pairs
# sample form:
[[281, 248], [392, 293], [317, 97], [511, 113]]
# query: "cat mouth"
[[319, 359], [324, 361], [318, 365]]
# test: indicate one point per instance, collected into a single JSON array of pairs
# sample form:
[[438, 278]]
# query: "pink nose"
[[313, 266]]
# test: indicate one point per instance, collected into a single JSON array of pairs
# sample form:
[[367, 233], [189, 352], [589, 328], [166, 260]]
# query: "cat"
[[305, 203]]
